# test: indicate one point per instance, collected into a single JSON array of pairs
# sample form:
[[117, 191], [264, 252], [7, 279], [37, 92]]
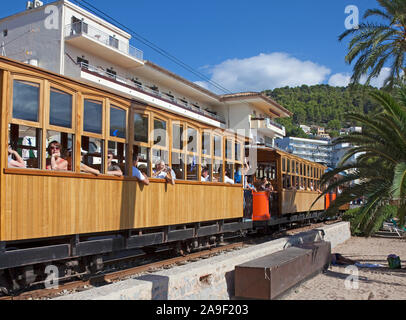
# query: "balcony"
[[150, 94], [268, 127], [99, 43]]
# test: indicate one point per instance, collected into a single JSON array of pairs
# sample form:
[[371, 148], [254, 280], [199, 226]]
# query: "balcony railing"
[[133, 84], [269, 122], [82, 28]]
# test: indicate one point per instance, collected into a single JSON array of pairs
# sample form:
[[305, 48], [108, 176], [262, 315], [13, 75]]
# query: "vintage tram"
[[71, 218]]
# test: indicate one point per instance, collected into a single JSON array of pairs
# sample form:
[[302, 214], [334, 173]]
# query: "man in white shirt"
[[161, 171], [205, 175], [137, 173]]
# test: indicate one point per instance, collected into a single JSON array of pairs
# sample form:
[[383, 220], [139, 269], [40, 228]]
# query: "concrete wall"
[[208, 279]]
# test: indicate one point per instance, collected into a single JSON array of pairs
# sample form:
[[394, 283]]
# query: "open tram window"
[[26, 141], [59, 145], [92, 153], [159, 155], [178, 165], [217, 171], [192, 167], [116, 157], [206, 170], [229, 170], [144, 163]]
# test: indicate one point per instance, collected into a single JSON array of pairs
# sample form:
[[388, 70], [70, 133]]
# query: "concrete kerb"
[[207, 279]]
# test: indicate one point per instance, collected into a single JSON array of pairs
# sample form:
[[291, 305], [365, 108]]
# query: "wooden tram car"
[[70, 218]]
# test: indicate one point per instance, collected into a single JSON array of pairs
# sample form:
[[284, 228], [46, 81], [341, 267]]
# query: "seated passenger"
[[86, 168], [141, 176], [238, 175], [113, 168], [227, 178], [205, 175], [161, 171], [56, 162], [18, 162], [262, 184]]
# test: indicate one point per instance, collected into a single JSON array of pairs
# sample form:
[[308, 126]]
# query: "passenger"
[[262, 184], [227, 178], [161, 171], [238, 175], [141, 176], [113, 168], [205, 175], [55, 162], [18, 162], [250, 184], [86, 168]]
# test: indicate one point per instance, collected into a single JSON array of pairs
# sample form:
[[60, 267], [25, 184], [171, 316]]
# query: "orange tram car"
[[72, 220]]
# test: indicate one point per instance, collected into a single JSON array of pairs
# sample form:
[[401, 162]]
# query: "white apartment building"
[[64, 38], [314, 150]]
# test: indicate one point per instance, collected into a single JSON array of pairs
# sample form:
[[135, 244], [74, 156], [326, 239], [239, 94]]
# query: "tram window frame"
[[63, 140], [148, 161], [121, 154], [206, 158], [180, 152], [288, 165], [111, 106], [72, 128], [98, 135], [192, 158], [218, 160], [88, 154], [14, 137], [147, 115], [156, 147], [40, 111], [283, 164]]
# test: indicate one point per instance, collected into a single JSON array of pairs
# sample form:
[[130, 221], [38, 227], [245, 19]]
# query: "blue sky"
[[243, 45]]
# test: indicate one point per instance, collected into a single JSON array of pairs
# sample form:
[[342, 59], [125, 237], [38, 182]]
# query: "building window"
[[5, 33]]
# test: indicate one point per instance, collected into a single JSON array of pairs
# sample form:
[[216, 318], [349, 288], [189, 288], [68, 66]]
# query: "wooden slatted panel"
[[300, 201], [46, 206]]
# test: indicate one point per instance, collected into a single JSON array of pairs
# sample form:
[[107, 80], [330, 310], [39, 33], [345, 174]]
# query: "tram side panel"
[[40, 206], [294, 201]]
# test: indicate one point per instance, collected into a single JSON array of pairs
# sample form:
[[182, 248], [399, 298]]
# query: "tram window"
[[191, 140], [218, 170], [302, 185], [118, 150], [117, 122], [237, 175], [140, 128], [143, 159], [228, 149], [178, 165], [301, 169], [284, 184], [93, 153], [177, 136], [60, 109], [206, 163], [306, 185], [26, 141], [159, 155], [25, 100], [192, 167], [288, 165], [229, 168], [66, 143], [288, 182], [160, 133], [283, 164], [206, 143], [217, 146], [93, 116], [297, 167], [237, 155]]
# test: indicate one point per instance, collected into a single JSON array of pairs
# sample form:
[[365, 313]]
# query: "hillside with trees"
[[321, 105]]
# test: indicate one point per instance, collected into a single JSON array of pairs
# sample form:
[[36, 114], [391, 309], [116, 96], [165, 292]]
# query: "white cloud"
[[266, 71], [343, 79], [339, 80]]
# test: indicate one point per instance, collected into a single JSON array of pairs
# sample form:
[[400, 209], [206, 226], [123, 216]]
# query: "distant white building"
[[305, 128], [311, 149]]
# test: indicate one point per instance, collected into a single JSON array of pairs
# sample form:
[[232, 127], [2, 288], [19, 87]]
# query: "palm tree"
[[379, 173], [377, 45]]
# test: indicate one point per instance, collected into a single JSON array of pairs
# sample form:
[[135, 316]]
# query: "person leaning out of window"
[[55, 162], [18, 162], [137, 173]]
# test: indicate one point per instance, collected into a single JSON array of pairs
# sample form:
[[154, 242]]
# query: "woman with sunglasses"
[[56, 162]]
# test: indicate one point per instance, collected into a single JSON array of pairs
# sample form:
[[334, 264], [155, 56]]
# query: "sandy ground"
[[373, 283]]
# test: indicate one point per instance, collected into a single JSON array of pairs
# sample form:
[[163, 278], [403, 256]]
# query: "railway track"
[[108, 277]]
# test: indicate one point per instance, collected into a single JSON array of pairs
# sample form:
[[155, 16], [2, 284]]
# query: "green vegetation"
[[377, 45], [379, 173], [352, 216], [321, 105]]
